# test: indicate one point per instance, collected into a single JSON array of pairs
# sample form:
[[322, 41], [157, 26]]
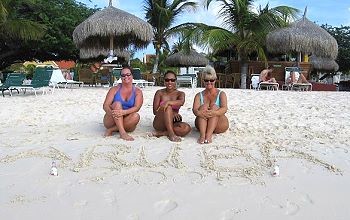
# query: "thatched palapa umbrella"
[[86, 53], [183, 59], [303, 36], [324, 63], [112, 28]]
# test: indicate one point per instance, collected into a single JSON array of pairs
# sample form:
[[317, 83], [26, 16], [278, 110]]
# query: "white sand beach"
[[306, 133]]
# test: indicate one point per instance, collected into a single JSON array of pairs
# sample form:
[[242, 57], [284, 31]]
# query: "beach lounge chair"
[[41, 80], [187, 79], [256, 84], [295, 86], [11, 82], [138, 80], [57, 79], [254, 81], [268, 85]]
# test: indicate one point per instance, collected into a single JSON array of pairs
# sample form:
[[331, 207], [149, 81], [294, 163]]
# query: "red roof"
[[65, 64]]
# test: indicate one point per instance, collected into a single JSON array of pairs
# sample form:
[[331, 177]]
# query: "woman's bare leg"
[[118, 124], [164, 126], [302, 79], [201, 125], [131, 121], [292, 77], [212, 124], [222, 125], [182, 128], [109, 124]]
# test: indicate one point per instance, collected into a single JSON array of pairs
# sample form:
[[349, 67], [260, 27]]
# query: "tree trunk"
[[155, 65], [244, 72]]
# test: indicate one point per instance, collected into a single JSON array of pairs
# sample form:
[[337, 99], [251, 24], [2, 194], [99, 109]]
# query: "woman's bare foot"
[[174, 138], [159, 133], [208, 140], [201, 140], [108, 133], [126, 137]]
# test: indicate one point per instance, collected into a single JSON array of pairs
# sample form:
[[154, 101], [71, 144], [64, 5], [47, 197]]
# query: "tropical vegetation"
[[342, 35], [162, 14], [39, 29], [245, 29]]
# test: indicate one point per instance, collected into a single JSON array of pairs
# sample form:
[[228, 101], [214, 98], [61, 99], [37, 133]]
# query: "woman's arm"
[[223, 105], [180, 100], [196, 105], [156, 101], [109, 100]]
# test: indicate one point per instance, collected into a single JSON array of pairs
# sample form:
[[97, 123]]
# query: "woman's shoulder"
[[220, 90], [138, 90], [114, 88], [199, 93], [160, 91], [221, 93], [178, 92]]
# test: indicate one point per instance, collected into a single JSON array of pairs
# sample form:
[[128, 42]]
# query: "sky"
[[331, 12]]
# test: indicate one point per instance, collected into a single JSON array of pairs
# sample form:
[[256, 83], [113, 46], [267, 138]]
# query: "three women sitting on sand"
[[124, 101]]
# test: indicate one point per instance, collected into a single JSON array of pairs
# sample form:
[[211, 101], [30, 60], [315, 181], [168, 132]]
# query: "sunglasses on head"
[[209, 80], [169, 80], [124, 75]]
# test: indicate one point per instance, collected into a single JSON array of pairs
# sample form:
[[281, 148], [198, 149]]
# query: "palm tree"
[[161, 14], [246, 29], [12, 25], [14, 28]]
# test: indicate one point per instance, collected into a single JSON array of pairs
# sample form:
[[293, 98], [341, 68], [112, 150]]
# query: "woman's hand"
[[117, 113], [177, 117], [163, 106], [207, 113], [203, 114]]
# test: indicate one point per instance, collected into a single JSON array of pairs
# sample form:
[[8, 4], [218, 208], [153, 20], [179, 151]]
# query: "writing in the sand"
[[220, 161], [211, 159]]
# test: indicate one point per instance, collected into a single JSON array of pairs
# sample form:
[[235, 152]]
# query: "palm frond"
[[3, 12], [23, 29]]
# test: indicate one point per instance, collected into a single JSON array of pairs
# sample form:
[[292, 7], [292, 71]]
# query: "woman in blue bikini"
[[209, 107], [166, 106], [121, 106]]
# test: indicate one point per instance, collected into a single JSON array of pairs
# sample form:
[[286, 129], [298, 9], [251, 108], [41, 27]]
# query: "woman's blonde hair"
[[208, 73]]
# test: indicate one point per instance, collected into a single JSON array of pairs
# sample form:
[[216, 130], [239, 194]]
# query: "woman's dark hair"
[[170, 72], [128, 67]]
